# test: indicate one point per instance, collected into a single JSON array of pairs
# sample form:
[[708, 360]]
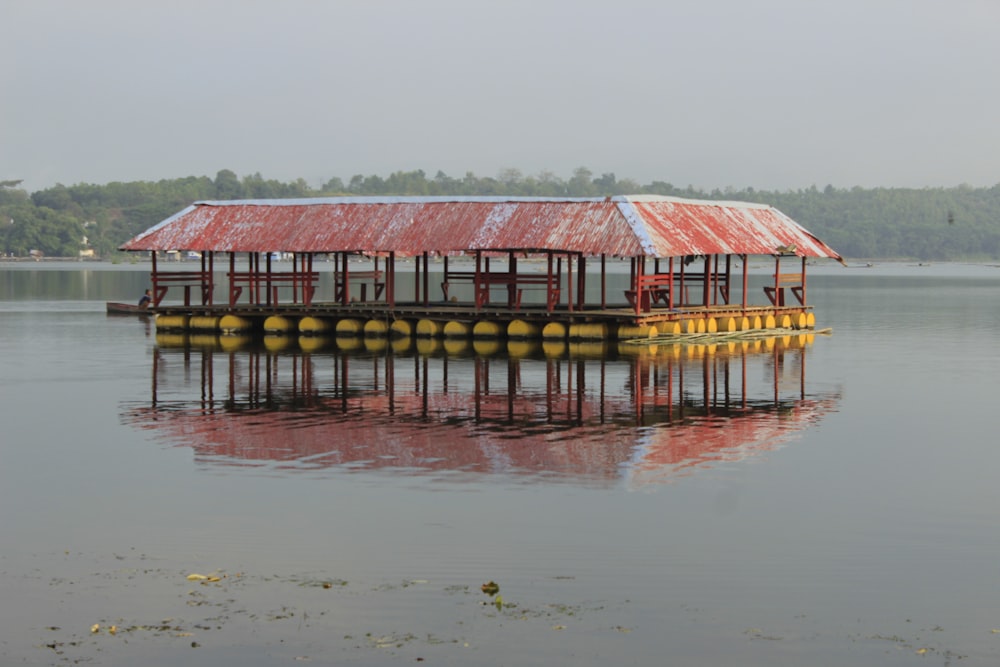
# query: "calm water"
[[804, 502]]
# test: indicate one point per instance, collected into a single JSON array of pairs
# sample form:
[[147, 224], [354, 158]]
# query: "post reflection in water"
[[579, 413]]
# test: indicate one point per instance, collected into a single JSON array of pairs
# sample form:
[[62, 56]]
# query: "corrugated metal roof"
[[617, 226]]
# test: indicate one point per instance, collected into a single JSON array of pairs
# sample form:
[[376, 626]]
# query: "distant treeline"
[[926, 224]]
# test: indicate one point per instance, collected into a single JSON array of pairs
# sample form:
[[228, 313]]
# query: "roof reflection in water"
[[581, 414]]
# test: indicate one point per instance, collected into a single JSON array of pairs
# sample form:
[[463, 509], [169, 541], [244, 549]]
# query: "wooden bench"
[[651, 288], [341, 292], [794, 282], [253, 280], [515, 283], [162, 281], [456, 276], [656, 287]]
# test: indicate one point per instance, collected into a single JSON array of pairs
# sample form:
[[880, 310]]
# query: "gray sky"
[[772, 94]]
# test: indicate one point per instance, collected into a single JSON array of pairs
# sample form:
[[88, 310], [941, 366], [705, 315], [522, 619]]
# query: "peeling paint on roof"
[[628, 226]]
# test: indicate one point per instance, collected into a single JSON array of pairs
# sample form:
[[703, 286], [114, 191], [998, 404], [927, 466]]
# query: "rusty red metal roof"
[[628, 226]]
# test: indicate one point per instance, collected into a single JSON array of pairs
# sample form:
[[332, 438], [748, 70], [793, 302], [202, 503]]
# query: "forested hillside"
[[926, 224]]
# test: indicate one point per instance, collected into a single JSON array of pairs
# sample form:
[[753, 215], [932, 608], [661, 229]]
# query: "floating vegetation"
[[415, 619], [723, 336]]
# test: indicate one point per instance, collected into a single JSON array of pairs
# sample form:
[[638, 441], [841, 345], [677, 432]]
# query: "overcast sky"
[[771, 94]]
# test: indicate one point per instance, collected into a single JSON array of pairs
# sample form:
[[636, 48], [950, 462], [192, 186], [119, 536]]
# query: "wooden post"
[[746, 281], [803, 281], [604, 282]]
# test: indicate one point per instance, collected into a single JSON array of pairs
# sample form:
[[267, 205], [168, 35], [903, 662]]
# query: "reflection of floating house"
[[522, 267], [645, 418]]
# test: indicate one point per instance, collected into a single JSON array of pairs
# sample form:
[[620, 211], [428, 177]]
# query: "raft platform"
[[449, 320]]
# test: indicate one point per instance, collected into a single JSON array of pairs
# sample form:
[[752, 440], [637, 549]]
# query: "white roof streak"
[[638, 227], [155, 228]]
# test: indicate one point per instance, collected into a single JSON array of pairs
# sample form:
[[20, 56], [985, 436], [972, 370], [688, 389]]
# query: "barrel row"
[[483, 347], [483, 329]]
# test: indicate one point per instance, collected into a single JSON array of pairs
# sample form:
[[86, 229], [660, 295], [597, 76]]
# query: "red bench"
[[341, 292], [515, 283], [795, 282], [162, 281], [271, 282], [650, 288], [654, 287]]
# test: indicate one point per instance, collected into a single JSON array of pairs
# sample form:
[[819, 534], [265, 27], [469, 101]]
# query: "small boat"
[[116, 308]]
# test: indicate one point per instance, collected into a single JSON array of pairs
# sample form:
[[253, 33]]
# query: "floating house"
[[628, 266]]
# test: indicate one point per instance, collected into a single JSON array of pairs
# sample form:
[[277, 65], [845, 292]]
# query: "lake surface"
[[829, 500]]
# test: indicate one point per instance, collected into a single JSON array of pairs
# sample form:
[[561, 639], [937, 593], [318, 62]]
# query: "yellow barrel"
[[553, 347], [169, 322], [277, 342], [487, 347], [758, 323], [626, 331], [403, 328], [428, 346], [786, 321], [695, 351], [554, 331], [639, 350], [591, 349], [690, 326], [314, 325], [810, 320], [588, 331], [711, 326], [488, 329], [669, 328], [350, 327], [376, 329], [744, 324], [349, 343], [314, 343], [429, 328], [231, 342], [520, 348], [800, 321], [672, 351], [456, 346], [401, 344], [456, 329], [235, 324], [769, 322], [171, 340], [204, 340], [726, 324], [376, 344], [523, 329], [204, 322], [279, 324]]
